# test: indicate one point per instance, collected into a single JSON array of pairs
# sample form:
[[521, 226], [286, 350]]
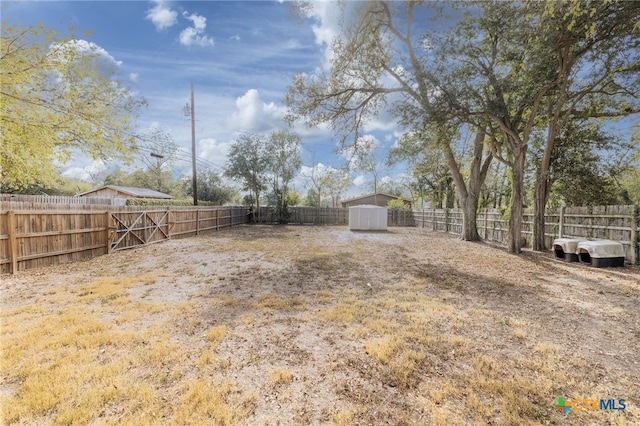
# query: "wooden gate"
[[138, 228]]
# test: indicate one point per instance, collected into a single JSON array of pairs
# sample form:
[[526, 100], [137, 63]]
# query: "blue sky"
[[240, 56]]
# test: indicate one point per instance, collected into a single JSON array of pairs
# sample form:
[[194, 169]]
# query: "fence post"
[[197, 221], [13, 242], [635, 236], [486, 222], [107, 231], [446, 220], [561, 222]]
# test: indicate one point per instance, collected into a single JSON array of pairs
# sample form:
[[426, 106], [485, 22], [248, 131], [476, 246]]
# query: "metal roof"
[[132, 192], [395, 197]]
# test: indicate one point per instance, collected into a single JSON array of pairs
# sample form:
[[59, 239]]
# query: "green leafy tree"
[[584, 174], [496, 189], [365, 158], [335, 182], [121, 178], [312, 199], [58, 95], [384, 56], [630, 178], [60, 185], [429, 171], [212, 188], [594, 52], [283, 160], [248, 164], [397, 203], [325, 181], [520, 69], [293, 198]]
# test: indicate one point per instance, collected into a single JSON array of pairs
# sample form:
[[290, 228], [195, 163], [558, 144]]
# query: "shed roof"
[[132, 192], [395, 197]]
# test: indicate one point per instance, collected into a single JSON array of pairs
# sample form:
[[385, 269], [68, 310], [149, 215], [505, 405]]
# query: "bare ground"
[[319, 325]]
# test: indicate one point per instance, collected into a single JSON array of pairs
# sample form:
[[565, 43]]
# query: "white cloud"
[[134, 77], [195, 35], [319, 170], [293, 44], [235, 37], [254, 115], [359, 180], [386, 180], [162, 16], [327, 16], [104, 62], [199, 22], [86, 173], [214, 152]]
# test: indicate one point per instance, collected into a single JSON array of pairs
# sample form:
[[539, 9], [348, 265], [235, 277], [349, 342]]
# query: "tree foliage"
[[430, 175], [397, 203], [247, 163], [506, 69], [261, 162], [212, 188], [593, 49], [283, 162], [325, 181], [384, 57], [58, 95]]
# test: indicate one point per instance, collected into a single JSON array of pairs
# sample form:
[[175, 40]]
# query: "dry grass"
[[279, 377], [278, 325]]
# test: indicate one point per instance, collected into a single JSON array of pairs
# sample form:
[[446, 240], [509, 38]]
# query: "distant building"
[[380, 199], [124, 192]]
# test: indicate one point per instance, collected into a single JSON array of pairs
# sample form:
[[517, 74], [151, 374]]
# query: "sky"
[[240, 57]]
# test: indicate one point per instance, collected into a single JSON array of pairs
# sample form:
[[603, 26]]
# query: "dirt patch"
[[317, 325]]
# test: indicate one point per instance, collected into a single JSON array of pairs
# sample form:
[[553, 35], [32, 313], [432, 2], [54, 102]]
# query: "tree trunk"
[[539, 208], [450, 193], [516, 209], [258, 207], [469, 194], [543, 187], [469, 218]]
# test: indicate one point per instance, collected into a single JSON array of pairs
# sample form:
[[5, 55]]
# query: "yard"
[[318, 325]]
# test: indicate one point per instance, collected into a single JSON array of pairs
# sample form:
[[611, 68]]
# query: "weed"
[[383, 349], [216, 334], [270, 301], [279, 377]]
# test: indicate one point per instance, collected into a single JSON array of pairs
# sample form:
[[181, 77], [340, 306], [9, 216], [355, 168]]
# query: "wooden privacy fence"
[[37, 200], [617, 223], [331, 216], [34, 235], [32, 238]]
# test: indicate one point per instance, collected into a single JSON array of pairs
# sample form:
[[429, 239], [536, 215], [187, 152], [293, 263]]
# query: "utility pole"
[[158, 157], [191, 108]]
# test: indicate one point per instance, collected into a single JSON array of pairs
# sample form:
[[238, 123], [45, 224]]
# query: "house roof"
[[395, 197], [133, 192]]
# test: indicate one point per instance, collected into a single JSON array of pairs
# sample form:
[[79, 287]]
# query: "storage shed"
[[378, 199], [367, 218], [124, 192]]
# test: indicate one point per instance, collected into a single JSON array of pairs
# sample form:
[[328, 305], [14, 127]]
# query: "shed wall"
[[372, 218]]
